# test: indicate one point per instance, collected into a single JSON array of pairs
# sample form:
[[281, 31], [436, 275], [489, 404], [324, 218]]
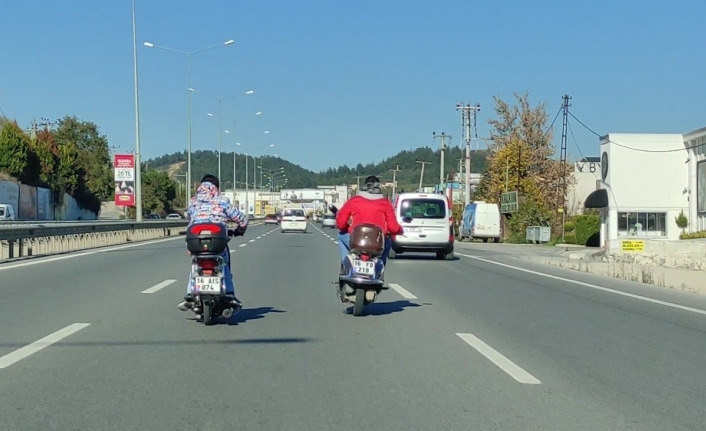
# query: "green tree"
[[68, 169], [14, 149], [158, 191], [47, 155], [93, 155]]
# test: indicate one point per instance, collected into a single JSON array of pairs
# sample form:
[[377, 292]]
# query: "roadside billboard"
[[124, 180], [296, 195]]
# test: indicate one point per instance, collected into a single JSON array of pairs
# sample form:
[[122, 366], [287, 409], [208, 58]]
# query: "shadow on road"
[[420, 256], [385, 308], [167, 343], [247, 314]]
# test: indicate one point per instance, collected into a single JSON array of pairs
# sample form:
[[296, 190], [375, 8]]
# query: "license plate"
[[412, 229], [208, 284], [361, 267]]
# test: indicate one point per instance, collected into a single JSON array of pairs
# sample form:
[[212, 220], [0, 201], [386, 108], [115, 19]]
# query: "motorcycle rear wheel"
[[359, 302]]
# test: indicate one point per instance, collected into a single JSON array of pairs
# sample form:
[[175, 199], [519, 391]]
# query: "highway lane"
[[293, 360]]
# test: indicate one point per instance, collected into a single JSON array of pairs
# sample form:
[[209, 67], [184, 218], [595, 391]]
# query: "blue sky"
[[352, 81]]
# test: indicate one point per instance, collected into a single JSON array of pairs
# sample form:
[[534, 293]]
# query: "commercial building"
[[587, 174], [643, 186], [695, 143]]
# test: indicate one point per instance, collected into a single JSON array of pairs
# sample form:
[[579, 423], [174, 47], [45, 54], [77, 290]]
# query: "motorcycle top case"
[[367, 238], [207, 238]]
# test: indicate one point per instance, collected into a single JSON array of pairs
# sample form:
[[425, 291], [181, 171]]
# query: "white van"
[[293, 219], [427, 221], [481, 220], [7, 213]]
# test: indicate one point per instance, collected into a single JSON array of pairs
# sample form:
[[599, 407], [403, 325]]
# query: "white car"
[[293, 220], [329, 220], [427, 222], [173, 216]]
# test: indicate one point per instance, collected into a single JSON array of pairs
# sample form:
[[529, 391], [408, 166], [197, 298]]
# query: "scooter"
[[207, 242], [360, 280]]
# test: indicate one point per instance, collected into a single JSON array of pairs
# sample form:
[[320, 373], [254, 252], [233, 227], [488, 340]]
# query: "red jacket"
[[368, 208]]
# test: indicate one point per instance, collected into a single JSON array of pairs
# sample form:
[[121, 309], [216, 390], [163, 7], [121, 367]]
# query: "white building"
[[695, 143], [644, 185], [587, 173]]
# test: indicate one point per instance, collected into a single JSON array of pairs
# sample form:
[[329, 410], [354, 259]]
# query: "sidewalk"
[[593, 261]]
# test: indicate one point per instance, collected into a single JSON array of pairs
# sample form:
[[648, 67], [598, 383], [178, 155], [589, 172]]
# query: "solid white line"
[[592, 286], [39, 260], [38, 345], [402, 291], [511, 368], [159, 286], [242, 245]]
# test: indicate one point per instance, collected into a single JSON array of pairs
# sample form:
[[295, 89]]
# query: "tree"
[[93, 155], [47, 156], [521, 157], [14, 148]]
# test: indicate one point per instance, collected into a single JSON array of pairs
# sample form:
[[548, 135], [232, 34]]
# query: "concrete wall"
[[34, 203]]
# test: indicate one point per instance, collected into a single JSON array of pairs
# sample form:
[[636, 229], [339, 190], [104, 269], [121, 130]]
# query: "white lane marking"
[[252, 240], [38, 345], [592, 286], [242, 245], [402, 291], [85, 253], [332, 239], [259, 237], [159, 286], [335, 242], [511, 368]]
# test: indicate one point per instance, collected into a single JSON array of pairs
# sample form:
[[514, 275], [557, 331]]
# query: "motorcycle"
[[206, 242], [362, 269]]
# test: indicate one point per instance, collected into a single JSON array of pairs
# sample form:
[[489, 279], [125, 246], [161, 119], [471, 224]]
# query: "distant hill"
[[203, 162]]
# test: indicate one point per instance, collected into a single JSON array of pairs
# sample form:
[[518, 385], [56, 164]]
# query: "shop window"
[[642, 224]]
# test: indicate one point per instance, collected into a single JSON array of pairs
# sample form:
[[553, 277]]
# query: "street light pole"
[[220, 136], [189, 91], [188, 146], [138, 163]]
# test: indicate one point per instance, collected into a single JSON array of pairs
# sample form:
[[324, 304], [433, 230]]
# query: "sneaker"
[[369, 295], [185, 305]]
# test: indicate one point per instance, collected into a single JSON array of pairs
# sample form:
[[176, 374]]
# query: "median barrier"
[[52, 238]]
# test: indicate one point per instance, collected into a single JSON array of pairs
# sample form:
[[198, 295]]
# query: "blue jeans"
[[227, 276], [344, 241]]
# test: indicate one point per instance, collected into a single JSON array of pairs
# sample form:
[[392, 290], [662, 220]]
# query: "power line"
[[641, 150]]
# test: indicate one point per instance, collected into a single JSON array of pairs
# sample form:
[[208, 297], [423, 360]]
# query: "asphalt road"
[[460, 345]]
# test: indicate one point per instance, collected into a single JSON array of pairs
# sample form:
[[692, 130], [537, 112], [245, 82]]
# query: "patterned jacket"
[[209, 206]]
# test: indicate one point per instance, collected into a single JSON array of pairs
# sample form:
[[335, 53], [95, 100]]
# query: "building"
[[644, 182], [587, 173], [695, 143]]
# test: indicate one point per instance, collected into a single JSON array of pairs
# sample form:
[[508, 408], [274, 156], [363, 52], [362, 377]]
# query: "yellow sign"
[[631, 245]]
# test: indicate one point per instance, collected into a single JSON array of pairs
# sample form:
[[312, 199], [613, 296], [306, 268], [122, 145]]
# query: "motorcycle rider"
[[208, 205], [368, 206]]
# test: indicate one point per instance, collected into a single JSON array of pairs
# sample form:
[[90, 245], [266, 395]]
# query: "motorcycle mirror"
[[333, 208], [407, 219]]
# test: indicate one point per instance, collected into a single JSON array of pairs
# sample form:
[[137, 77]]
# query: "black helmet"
[[211, 179]]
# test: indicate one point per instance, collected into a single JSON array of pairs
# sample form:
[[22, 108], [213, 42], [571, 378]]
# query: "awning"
[[597, 199]]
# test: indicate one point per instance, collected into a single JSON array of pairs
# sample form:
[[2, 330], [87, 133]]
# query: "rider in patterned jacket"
[[208, 205]]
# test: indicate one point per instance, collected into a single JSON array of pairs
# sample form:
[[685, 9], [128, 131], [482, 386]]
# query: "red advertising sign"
[[124, 180]]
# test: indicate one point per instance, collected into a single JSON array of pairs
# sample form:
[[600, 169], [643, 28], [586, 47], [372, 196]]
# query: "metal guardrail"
[[38, 240]]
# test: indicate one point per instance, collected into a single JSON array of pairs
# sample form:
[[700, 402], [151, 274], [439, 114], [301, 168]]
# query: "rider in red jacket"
[[368, 206]]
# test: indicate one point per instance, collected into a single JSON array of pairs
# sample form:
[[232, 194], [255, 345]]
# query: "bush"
[[569, 226], [586, 226], [695, 235]]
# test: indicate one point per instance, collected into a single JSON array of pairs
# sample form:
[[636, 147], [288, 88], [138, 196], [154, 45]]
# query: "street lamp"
[[189, 91], [220, 116], [138, 162]]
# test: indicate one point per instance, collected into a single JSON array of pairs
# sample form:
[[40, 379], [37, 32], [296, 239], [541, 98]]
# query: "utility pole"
[[562, 182], [357, 178], [443, 136], [466, 120], [421, 176], [394, 178]]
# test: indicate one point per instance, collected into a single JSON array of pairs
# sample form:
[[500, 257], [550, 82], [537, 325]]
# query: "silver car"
[[329, 221]]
